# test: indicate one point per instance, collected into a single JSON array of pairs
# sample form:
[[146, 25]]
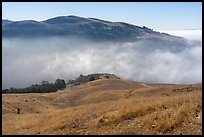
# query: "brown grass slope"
[[106, 106]]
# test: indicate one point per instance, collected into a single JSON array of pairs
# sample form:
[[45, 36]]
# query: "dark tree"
[[60, 84], [44, 82], [91, 78]]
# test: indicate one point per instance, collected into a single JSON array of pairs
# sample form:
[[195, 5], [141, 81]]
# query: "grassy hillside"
[[106, 106]]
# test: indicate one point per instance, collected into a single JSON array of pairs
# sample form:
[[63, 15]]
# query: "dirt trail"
[[146, 85]]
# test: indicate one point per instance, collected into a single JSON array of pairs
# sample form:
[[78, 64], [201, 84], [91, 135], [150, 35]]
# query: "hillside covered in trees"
[[44, 87], [91, 77], [47, 87]]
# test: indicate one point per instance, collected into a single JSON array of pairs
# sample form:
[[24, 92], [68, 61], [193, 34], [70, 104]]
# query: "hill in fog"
[[67, 46]]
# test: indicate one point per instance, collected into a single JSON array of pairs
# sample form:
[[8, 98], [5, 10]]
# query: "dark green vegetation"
[[44, 87], [91, 77]]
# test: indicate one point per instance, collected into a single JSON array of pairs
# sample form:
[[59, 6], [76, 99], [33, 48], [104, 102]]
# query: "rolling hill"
[[108, 105], [89, 28]]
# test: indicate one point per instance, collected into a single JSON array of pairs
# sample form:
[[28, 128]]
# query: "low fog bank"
[[29, 61], [188, 34]]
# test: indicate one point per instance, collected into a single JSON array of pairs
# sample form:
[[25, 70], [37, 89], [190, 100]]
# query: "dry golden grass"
[[111, 106]]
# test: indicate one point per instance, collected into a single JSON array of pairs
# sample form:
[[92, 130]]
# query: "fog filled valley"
[[27, 61]]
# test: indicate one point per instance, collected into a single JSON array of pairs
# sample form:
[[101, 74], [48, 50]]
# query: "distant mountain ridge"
[[6, 21], [74, 26]]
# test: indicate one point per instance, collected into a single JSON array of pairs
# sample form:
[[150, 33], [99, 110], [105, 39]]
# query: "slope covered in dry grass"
[[106, 106]]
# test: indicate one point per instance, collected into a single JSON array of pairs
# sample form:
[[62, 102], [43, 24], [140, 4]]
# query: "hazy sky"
[[156, 15]]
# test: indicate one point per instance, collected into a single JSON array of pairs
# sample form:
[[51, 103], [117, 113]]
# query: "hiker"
[[18, 110]]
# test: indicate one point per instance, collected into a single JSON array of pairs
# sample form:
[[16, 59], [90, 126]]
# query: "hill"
[[6, 21], [106, 106], [88, 28]]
